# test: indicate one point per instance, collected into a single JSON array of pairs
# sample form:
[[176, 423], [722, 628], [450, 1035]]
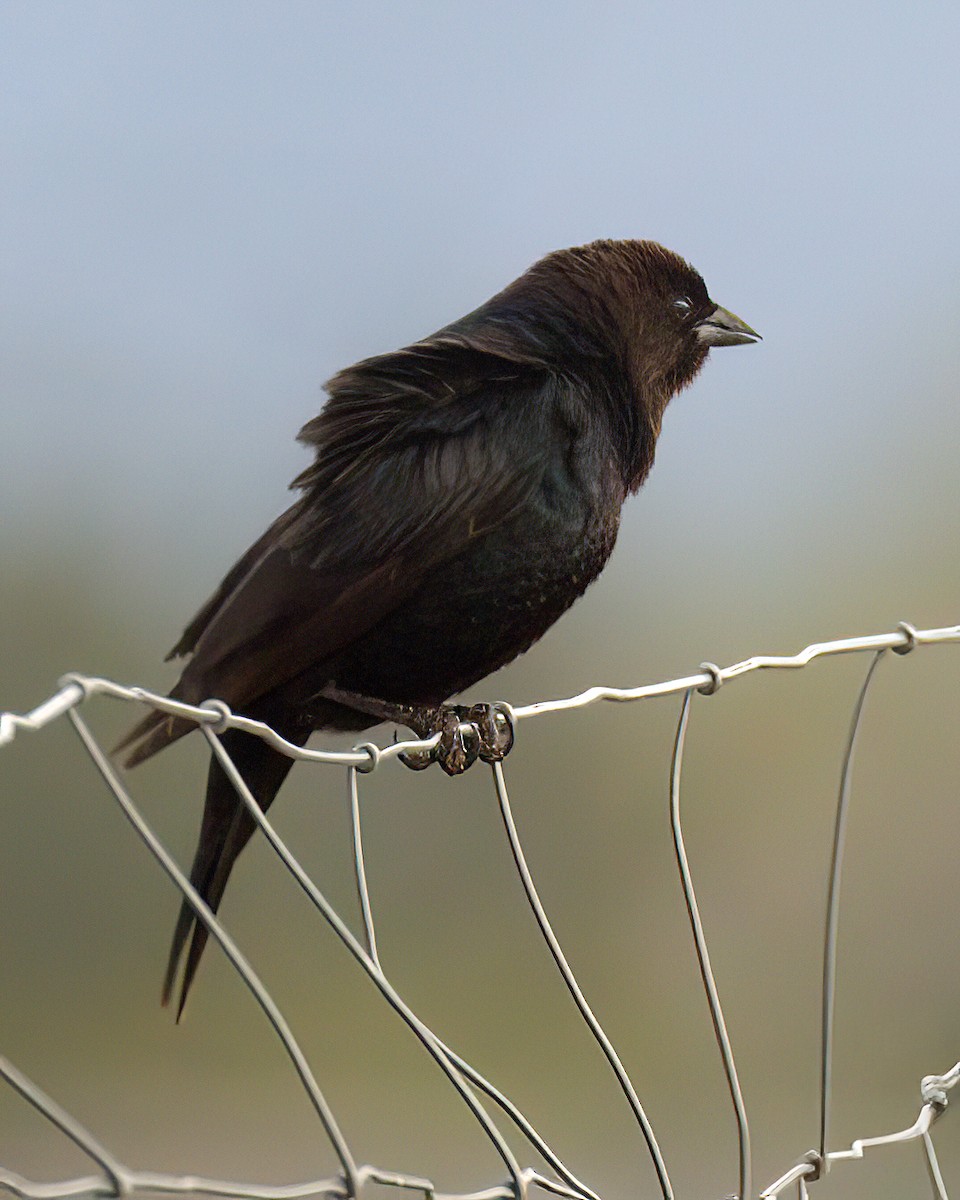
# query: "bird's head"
[[643, 305]]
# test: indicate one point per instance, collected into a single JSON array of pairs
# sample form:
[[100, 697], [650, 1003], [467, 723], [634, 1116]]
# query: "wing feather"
[[417, 453]]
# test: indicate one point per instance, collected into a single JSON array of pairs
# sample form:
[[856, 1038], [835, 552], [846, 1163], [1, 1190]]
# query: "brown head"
[[634, 302]]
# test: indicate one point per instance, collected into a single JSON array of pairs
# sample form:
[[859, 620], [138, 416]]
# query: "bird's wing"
[[417, 454]]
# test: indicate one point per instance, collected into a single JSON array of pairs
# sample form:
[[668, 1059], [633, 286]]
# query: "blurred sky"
[[208, 209]]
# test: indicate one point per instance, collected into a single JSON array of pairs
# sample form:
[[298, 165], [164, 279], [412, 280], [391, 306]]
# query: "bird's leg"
[[418, 717], [482, 731]]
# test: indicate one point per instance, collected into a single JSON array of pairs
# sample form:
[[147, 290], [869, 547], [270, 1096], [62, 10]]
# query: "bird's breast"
[[478, 611]]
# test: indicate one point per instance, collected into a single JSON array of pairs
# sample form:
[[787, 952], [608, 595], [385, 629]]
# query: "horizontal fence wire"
[[474, 1090]]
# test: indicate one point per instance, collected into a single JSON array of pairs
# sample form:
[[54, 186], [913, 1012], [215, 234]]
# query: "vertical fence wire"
[[468, 1071], [231, 950], [586, 1012], [703, 956], [333, 919], [829, 990], [359, 869]]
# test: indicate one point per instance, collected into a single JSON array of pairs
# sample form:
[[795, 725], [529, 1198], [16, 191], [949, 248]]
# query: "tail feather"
[[226, 828], [156, 731]]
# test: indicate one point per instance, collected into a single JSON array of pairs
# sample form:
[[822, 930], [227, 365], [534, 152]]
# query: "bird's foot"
[[494, 723], [459, 744], [483, 731]]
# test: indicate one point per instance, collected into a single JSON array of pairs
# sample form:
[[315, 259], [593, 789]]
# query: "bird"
[[464, 492]]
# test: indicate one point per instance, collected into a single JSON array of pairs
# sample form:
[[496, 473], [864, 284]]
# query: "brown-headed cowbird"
[[465, 491]]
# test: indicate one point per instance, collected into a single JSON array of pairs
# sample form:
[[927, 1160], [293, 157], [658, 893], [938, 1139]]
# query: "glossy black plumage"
[[465, 491]]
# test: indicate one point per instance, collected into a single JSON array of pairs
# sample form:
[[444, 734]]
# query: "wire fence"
[[477, 1093]]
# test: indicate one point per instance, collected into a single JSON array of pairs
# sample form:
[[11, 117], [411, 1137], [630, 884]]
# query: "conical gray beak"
[[722, 328]]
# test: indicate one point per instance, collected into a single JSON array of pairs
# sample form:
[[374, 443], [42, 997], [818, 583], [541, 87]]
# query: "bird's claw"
[[459, 745], [494, 724], [483, 731]]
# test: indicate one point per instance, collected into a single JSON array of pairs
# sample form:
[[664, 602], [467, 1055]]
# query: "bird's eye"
[[682, 305]]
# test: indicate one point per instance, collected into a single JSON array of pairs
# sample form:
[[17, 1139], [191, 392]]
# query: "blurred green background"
[[207, 210]]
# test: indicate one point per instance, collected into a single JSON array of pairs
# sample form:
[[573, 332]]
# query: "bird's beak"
[[722, 328]]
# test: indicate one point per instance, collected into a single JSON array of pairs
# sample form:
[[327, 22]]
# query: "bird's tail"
[[156, 731], [226, 829]]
